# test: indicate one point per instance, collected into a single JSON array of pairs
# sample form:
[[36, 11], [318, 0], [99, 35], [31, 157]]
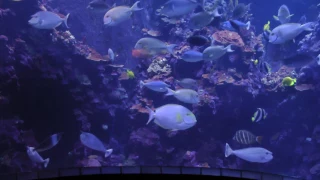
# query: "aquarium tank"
[[231, 84]]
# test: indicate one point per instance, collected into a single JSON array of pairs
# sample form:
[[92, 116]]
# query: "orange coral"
[[228, 37]]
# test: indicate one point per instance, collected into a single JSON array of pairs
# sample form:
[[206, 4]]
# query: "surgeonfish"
[[187, 83], [35, 156], [288, 31], [158, 86], [185, 95], [259, 115], [246, 137], [91, 141], [49, 143], [177, 8], [212, 53], [202, 19], [172, 117], [252, 154], [154, 46], [47, 20], [119, 14], [283, 14], [192, 56]]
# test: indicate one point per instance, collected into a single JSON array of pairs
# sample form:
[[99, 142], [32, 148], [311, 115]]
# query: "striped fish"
[[246, 137], [259, 115]]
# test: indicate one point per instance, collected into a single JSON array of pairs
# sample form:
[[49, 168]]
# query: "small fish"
[[91, 141], [259, 115], [154, 46], [35, 156], [212, 53], [105, 126], [252, 154], [246, 137], [187, 83], [177, 8], [158, 86], [192, 56], [111, 54], [47, 20], [266, 27], [185, 95], [283, 14], [308, 139], [200, 20], [119, 14], [288, 31], [226, 25], [288, 81], [318, 59], [172, 117], [198, 40]]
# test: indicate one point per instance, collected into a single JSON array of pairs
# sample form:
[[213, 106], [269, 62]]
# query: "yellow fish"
[[266, 27], [130, 74], [288, 81]]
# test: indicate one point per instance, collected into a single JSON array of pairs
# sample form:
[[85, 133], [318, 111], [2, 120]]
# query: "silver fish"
[[252, 154], [35, 156], [91, 141], [158, 86], [283, 14], [47, 20], [176, 8]]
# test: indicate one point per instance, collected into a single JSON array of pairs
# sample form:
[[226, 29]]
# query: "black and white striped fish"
[[259, 115], [246, 137]]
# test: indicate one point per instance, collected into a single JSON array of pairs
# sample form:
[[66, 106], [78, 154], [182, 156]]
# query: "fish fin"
[[170, 92], [141, 84], [135, 7], [65, 20], [228, 48], [248, 25], [228, 151], [151, 114], [290, 16], [294, 41], [308, 26], [259, 139], [215, 13], [108, 153], [276, 18], [212, 40], [46, 162], [170, 48]]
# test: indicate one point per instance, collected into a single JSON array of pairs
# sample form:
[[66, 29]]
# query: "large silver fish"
[[252, 154], [119, 14], [288, 31], [92, 142], [176, 8], [47, 20], [154, 46]]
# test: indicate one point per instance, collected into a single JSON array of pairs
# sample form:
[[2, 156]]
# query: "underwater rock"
[[226, 37], [159, 66], [144, 137]]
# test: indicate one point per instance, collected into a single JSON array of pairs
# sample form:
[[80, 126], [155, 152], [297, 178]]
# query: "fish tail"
[[46, 162], [171, 47], [135, 7], [151, 114], [141, 84], [170, 92], [108, 153], [248, 25], [228, 151], [65, 20], [228, 48], [307, 26], [259, 139]]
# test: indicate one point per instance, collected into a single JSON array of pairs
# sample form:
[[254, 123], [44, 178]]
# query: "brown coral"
[[228, 37]]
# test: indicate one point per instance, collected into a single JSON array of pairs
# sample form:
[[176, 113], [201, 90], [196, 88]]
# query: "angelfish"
[[91, 141], [35, 156]]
